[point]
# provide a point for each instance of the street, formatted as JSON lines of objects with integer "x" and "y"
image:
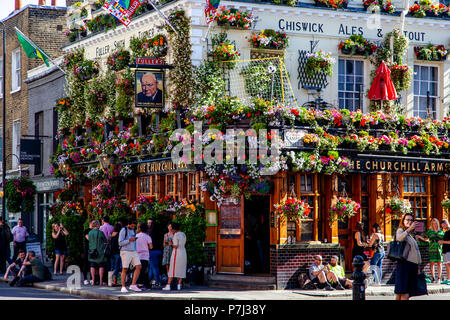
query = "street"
{"x": 27, "y": 293}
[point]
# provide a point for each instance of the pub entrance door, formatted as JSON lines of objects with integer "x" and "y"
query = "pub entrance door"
{"x": 230, "y": 244}
{"x": 257, "y": 235}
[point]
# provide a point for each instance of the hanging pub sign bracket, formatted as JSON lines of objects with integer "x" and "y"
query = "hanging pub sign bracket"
{"x": 150, "y": 82}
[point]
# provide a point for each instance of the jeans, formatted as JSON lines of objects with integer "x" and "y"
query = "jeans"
{"x": 28, "y": 280}
{"x": 377, "y": 260}
{"x": 116, "y": 264}
{"x": 153, "y": 268}
{"x": 143, "y": 275}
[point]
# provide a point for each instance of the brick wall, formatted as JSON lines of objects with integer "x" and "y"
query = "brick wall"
{"x": 288, "y": 261}
{"x": 44, "y": 26}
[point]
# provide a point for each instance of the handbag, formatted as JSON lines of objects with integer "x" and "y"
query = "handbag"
{"x": 108, "y": 249}
{"x": 369, "y": 252}
{"x": 93, "y": 254}
{"x": 421, "y": 288}
{"x": 395, "y": 250}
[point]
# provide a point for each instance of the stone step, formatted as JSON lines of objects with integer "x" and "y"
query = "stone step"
{"x": 223, "y": 284}
{"x": 242, "y": 278}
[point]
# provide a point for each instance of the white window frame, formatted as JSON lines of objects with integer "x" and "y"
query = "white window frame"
{"x": 416, "y": 111}
{"x": 16, "y": 69}
{"x": 361, "y": 107}
{"x": 16, "y": 134}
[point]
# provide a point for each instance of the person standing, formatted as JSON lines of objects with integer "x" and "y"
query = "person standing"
{"x": 97, "y": 259}
{"x": 167, "y": 251}
{"x": 20, "y": 235}
{"x": 86, "y": 266}
{"x": 106, "y": 227}
{"x": 406, "y": 271}
{"x": 59, "y": 234}
{"x": 178, "y": 259}
{"x": 143, "y": 247}
{"x": 432, "y": 236}
{"x": 359, "y": 243}
{"x": 446, "y": 248}
{"x": 128, "y": 255}
{"x": 376, "y": 242}
{"x": 155, "y": 232}
{"x": 115, "y": 252}
{"x": 5, "y": 238}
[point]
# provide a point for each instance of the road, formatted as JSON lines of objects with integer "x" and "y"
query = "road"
{"x": 16, "y": 293}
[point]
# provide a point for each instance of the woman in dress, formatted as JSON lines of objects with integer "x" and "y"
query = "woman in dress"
{"x": 376, "y": 243}
{"x": 59, "y": 234}
{"x": 432, "y": 236}
{"x": 178, "y": 259}
{"x": 359, "y": 243}
{"x": 167, "y": 251}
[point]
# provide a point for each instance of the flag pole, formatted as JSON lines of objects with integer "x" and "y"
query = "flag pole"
{"x": 209, "y": 26}
{"x": 163, "y": 16}
{"x": 40, "y": 50}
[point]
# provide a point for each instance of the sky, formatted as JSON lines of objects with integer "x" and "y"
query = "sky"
{"x": 7, "y": 6}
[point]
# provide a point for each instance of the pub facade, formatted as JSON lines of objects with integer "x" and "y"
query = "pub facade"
{"x": 327, "y": 154}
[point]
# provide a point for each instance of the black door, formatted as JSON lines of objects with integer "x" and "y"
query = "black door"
{"x": 257, "y": 235}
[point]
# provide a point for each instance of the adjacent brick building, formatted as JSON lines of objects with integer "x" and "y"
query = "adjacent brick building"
{"x": 45, "y": 26}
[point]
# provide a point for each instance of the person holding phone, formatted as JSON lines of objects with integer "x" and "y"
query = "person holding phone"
{"x": 59, "y": 234}
{"x": 433, "y": 236}
{"x": 406, "y": 271}
{"x": 129, "y": 255}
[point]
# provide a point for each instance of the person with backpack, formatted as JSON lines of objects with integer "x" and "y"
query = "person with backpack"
{"x": 129, "y": 255}
{"x": 5, "y": 239}
{"x": 96, "y": 253}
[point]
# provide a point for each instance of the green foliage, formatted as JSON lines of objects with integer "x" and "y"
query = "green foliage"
{"x": 208, "y": 83}
{"x": 20, "y": 195}
{"x": 75, "y": 226}
{"x": 194, "y": 226}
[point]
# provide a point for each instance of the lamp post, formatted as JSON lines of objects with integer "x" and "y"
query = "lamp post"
{"x": 105, "y": 161}
{"x": 4, "y": 122}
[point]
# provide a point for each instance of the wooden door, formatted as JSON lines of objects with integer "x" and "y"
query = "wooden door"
{"x": 230, "y": 251}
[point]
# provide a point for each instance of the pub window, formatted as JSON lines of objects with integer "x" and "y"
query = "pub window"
{"x": 155, "y": 184}
{"x": 351, "y": 84}
{"x": 425, "y": 91}
{"x": 307, "y": 194}
{"x": 192, "y": 186}
{"x": 170, "y": 180}
{"x": 415, "y": 190}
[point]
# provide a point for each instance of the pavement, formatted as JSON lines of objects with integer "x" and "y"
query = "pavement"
{"x": 59, "y": 284}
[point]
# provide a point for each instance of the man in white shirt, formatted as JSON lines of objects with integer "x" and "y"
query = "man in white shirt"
{"x": 20, "y": 235}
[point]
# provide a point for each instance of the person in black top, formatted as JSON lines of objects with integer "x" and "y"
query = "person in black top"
{"x": 86, "y": 264}
{"x": 359, "y": 244}
{"x": 59, "y": 233}
{"x": 5, "y": 251}
{"x": 116, "y": 262}
{"x": 446, "y": 248}
{"x": 154, "y": 231}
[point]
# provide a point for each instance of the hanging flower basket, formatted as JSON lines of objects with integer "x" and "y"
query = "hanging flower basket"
{"x": 72, "y": 208}
{"x": 293, "y": 209}
{"x": 446, "y": 205}
{"x": 342, "y": 209}
{"x": 20, "y": 195}
{"x": 396, "y": 207}
{"x": 319, "y": 62}
{"x": 118, "y": 60}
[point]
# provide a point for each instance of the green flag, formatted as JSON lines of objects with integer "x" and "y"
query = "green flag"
{"x": 31, "y": 49}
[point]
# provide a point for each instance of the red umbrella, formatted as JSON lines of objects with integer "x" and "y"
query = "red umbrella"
{"x": 382, "y": 87}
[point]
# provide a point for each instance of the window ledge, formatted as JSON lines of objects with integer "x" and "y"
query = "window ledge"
{"x": 17, "y": 90}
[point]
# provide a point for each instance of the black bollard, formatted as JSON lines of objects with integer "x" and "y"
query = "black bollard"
{"x": 359, "y": 277}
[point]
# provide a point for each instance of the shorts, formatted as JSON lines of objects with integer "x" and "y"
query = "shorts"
{"x": 320, "y": 285}
{"x": 129, "y": 257}
{"x": 447, "y": 257}
{"x": 61, "y": 252}
{"x": 342, "y": 282}
{"x": 97, "y": 265}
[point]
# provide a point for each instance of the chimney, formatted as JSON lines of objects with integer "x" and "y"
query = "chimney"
{"x": 41, "y": 2}
{"x": 18, "y": 4}
{"x": 53, "y": 3}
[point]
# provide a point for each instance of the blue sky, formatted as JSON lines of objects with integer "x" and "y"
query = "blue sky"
{"x": 7, "y": 6}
